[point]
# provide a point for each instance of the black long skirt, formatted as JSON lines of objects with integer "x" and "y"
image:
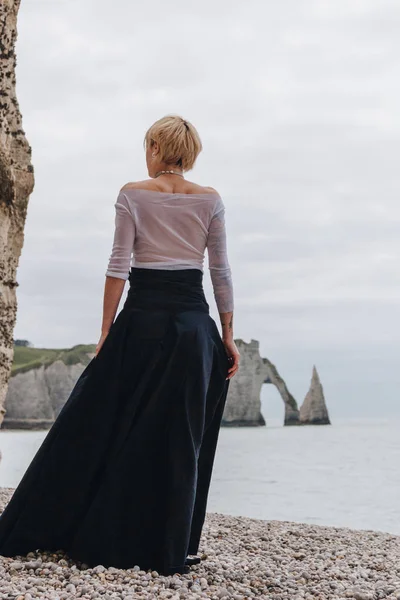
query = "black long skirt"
{"x": 123, "y": 475}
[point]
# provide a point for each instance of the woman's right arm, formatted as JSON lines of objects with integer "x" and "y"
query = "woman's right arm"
{"x": 221, "y": 278}
{"x": 118, "y": 265}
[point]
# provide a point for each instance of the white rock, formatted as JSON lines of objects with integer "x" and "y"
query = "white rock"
{"x": 313, "y": 410}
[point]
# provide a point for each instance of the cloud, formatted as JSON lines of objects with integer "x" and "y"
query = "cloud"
{"x": 297, "y": 107}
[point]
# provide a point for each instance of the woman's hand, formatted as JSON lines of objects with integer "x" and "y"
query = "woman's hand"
{"x": 234, "y": 356}
{"x": 101, "y": 342}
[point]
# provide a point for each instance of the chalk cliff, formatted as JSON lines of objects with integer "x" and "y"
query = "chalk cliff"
{"x": 16, "y": 184}
{"x": 313, "y": 411}
{"x": 38, "y": 389}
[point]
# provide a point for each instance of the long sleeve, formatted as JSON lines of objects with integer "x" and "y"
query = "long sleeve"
{"x": 218, "y": 263}
{"x": 124, "y": 237}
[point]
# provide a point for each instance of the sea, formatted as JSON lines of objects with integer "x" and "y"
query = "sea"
{"x": 346, "y": 474}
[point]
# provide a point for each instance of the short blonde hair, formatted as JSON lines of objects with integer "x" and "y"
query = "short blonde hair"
{"x": 178, "y": 139}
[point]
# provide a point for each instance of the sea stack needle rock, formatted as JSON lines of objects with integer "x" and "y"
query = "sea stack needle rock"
{"x": 16, "y": 185}
{"x": 243, "y": 406}
{"x": 313, "y": 411}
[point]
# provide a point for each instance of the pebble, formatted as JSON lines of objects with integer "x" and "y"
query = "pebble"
{"x": 243, "y": 559}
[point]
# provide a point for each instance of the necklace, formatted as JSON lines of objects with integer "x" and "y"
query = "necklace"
{"x": 164, "y": 172}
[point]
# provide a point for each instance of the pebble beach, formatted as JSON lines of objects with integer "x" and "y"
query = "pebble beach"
{"x": 242, "y": 558}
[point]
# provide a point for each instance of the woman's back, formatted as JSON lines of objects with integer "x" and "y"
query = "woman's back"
{"x": 170, "y": 228}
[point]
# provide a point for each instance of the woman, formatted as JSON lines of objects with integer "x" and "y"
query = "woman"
{"x": 122, "y": 477}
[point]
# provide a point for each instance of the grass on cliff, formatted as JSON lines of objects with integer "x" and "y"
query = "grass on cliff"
{"x": 26, "y": 358}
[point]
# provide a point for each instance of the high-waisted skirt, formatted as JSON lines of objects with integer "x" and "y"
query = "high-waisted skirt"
{"x": 122, "y": 477}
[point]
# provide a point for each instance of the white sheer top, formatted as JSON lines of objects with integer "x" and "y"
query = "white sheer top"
{"x": 165, "y": 230}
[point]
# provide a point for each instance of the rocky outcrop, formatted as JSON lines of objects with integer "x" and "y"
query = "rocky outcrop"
{"x": 291, "y": 409}
{"x": 37, "y": 392}
{"x": 243, "y": 405}
{"x": 16, "y": 184}
{"x": 313, "y": 411}
{"x": 43, "y": 380}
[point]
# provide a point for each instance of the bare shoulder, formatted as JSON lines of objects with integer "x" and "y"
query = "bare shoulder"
{"x": 211, "y": 189}
{"x": 195, "y": 188}
{"x": 146, "y": 184}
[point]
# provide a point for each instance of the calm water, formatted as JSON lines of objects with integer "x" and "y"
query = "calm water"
{"x": 346, "y": 474}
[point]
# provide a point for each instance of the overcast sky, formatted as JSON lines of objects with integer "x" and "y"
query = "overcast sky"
{"x": 297, "y": 104}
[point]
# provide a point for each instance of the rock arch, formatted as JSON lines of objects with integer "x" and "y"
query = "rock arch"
{"x": 243, "y": 406}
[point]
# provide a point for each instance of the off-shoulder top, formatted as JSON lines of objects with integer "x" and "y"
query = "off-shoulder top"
{"x": 163, "y": 230}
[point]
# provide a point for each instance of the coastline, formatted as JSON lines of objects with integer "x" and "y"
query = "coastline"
{"x": 243, "y": 558}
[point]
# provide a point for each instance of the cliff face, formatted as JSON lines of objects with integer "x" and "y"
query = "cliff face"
{"x": 313, "y": 411}
{"x": 36, "y": 396}
{"x": 16, "y": 184}
{"x": 243, "y": 406}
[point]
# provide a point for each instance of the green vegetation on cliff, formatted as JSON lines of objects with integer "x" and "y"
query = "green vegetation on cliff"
{"x": 26, "y": 358}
